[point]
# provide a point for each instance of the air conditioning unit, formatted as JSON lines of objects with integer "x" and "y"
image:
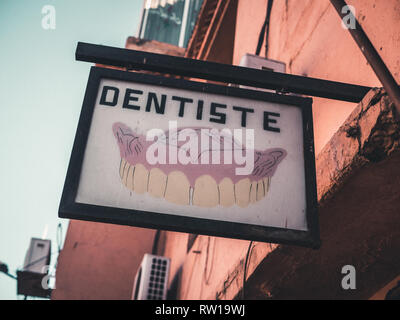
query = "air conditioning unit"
{"x": 151, "y": 280}
{"x": 257, "y": 62}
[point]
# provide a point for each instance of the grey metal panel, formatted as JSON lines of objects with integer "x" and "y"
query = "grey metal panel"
{"x": 38, "y": 256}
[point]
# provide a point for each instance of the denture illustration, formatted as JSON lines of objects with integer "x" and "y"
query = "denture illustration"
{"x": 198, "y": 184}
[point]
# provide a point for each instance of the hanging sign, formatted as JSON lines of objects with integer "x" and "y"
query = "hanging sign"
{"x": 179, "y": 155}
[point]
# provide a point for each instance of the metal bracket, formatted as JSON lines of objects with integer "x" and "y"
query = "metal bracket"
{"x": 132, "y": 59}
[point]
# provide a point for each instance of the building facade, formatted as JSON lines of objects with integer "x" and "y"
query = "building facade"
{"x": 309, "y": 38}
{"x": 357, "y": 161}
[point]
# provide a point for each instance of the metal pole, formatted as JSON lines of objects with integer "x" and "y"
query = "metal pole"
{"x": 184, "y": 24}
{"x": 372, "y": 56}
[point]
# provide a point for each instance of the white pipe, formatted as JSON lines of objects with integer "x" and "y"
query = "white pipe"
{"x": 185, "y": 18}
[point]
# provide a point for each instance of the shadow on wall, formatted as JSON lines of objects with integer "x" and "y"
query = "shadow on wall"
{"x": 174, "y": 286}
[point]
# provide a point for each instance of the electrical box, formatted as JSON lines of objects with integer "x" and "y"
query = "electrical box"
{"x": 32, "y": 279}
{"x": 32, "y": 284}
{"x": 257, "y": 62}
{"x": 152, "y": 278}
{"x": 38, "y": 256}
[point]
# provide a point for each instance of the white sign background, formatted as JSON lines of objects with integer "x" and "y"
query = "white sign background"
{"x": 285, "y": 204}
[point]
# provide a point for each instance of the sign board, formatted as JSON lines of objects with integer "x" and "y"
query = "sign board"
{"x": 179, "y": 155}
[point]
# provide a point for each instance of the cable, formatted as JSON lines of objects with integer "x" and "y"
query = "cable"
{"x": 245, "y": 265}
{"x": 10, "y": 275}
{"x": 269, "y": 9}
{"x": 206, "y": 278}
{"x": 264, "y": 30}
{"x": 155, "y": 242}
{"x": 261, "y": 38}
{"x": 4, "y": 269}
{"x": 40, "y": 259}
{"x": 59, "y": 240}
{"x": 59, "y": 236}
{"x": 185, "y": 292}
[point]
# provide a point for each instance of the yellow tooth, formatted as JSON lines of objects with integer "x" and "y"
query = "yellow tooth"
{"x": 140, "y": 178}
{"x": 157, "y": 183}
{"x": 205, "y": 193}
{"x": 253, "y": 192}
{"x": 122, "y": 168}
{"x": 177, "y": 190}
{"x": 242, "y": 192}
{"x": 129, "y": 177}
{"x": 260, "y": 190}
{"x": 267, "y": 182}
{"x": 125, "y": 173}
{"x": 226, "y": 193}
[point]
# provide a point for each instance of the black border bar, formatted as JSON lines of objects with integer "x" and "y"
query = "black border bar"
{"x": 282, "y": 82}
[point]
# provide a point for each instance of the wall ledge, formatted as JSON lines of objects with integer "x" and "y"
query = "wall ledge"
{"x": 370, "y": 134}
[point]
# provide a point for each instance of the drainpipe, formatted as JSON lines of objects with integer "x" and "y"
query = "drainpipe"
{"x": 372, "y": 56}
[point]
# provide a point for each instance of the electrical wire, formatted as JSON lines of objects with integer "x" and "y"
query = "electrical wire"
{"x": 207, "y": 273}
{"x": 264, "y": 30}
{"x": 59, "y": 242}
{"x": 155, "y": 242}
{"x": 200, "y": 247}
{"x": 10, "y": 275}
{"x": 38, "y": 260}
{"x": 248, "y": 255}
{"x": 59, "y": 236}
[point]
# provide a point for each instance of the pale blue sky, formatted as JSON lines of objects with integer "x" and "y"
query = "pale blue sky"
{"x": 42, "y": 88}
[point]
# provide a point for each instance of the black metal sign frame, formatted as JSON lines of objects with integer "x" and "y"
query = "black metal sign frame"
{"x": 71, "y": 209}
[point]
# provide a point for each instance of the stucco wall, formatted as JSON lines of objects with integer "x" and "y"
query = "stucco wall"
{"x": 307, "y": 36}
{"x": 201, "y": 272}
{"x": 99, "y": 261}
